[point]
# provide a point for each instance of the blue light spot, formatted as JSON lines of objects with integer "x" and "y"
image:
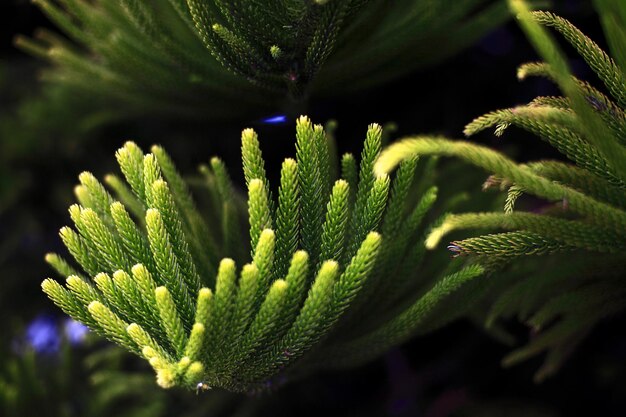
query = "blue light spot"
{"x": 42, "y": 335}
{"x": 75, "y": 332}
{"x": 275, "y": 120}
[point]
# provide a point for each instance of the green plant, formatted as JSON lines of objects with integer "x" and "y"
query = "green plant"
{"x": 215, "y": 59}
{"x": 565, "y": 299}
{"x": 68, "y": 381}
{"x": 97, "y": 380}
{"x": 323, "y": 288}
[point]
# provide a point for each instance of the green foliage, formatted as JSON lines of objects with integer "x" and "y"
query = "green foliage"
{"x": 215, "y": 59}
{"x": 72, "y": 385}
{"x": 330, "y": 280}
{"x": 96, "y": 380}
{"x": 32, "y": 121}
{"x": 587, "y": 199}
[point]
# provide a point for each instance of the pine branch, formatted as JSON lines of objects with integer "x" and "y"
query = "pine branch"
{"x": 317, "y": 257}
{"x": 589, "y": 217}
{"x": 217, "y": 59}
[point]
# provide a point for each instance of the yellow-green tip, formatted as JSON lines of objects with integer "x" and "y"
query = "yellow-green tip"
{"x": 300, "y": 256}
{"x": 205, "y": 292}
{"x": 101, "y": 278}
{"x": 166, "y": 378}
{"x": 48, "y": 285}
{"x": 138, "y": 269}
{"x": 195, "y": 374}
{"x": 227, "y": 263}
{"x": 373, "y": 237}
{"x": 95, "y": 306}
{"x": 435, "y": 236}
{"x": 248, "y": 134}
{"x": 255, "y": 185}
{"x": 249, "y": 269}
{"x": 391, "y": 157}
{"x": 329, "y": 267}
{"x": 161, "y": 292}
{"x": 280, "y": 285}
{"x": 148, "y": 352}
{"x": 72, "y": 280}
{"x": 266, "y": 234}
{"x": 303, "y": 120}
{"x": 133, "y": 327}
{"x": 152, "y": 212}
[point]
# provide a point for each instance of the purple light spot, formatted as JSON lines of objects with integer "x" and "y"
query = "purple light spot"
{"x": 399, "y": 406}
{"x": 275, "y": 120}
{"x": 43, "y": 336}
{"x": 74, "y": 331}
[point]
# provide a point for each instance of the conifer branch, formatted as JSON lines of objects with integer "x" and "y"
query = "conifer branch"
{"x": 587, "y": 212}
{"x": 214, "y": 58}
{"x": 318, "y": 253}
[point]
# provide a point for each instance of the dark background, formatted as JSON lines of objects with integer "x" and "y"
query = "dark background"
{"x": 455, "y": 371}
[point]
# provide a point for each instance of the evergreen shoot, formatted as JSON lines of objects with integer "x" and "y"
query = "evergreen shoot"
{"x": 586, "y": 199}
{"x": 253, "y": 291}
{"x": 212, "y": 58}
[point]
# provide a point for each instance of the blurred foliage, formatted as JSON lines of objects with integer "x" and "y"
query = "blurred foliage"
{"x": 50, "y": 375}
{"x": 201, "y": 59}
{"x": 59, "y": 386}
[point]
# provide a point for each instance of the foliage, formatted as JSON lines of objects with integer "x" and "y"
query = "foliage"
{"x": 34, "y": 127}
{"x": 330, "y": 281}
{"x": 53, "y": 375}
{"x": 52, "y": 382}
{"x": 40, "y": 129}
{"x": 218, "y": 59}
{"x": 563, "y": 300}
